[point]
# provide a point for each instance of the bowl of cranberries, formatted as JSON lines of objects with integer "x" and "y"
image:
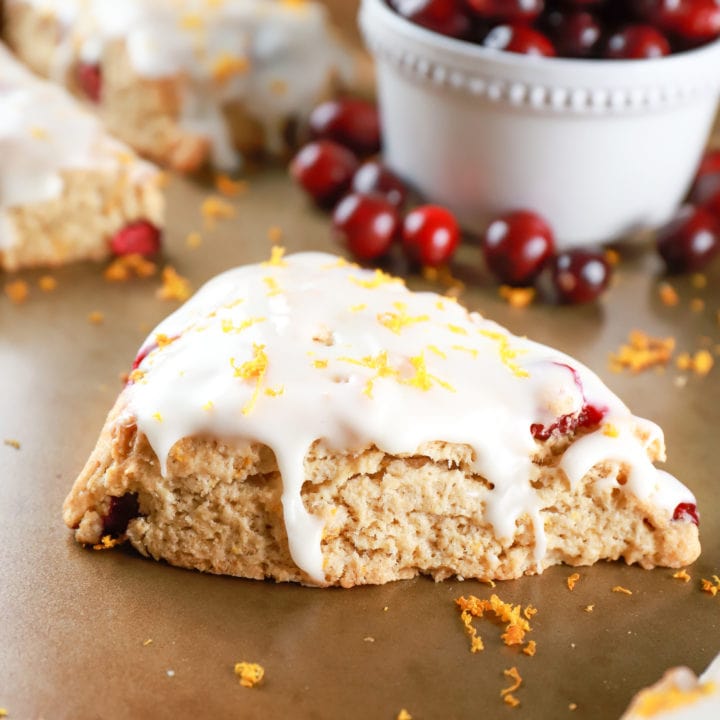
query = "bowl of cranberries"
{"x": 593, "y": 112}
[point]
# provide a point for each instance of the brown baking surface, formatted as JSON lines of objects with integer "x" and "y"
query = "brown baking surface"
{"x": 73, "y": 622}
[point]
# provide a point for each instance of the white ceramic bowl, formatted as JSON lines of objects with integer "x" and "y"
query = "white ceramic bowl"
{"x": 600, "y": 148}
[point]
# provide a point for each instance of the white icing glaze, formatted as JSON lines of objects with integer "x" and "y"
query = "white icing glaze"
{"x": 355, "y": 359}
{"x": 44, "y": 132}
{"x": 281, "y": 50}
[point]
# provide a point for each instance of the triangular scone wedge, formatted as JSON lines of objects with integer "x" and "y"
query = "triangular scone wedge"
{"x": 307, "y": 420}
{"x": 67, "y": 188}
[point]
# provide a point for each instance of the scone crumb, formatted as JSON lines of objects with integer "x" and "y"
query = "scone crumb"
{"x": 47, "y": 283}
{"x": 147, "y": 642}
{"x": 589, "y": 608}
{"x": 572, "y": 581}
{"x": 17, "y": 291}
{"x": 404, "y": 715}
{"x": 572, "y": 706}
{"x": 174, "y": 286}
{"x": 249, "y": 674}
{"x": 711, "y": 587}
{"x": 621, "y": 589}
{"x": 96, "y": 318}
{"x": 642, "y": 352}
{"x": 531, "y": 648}
{"x": 668, "y": 295}
{"x": 107, "y": 542}
{"x": 369, "y": 639}
{"x": 228, "y": 187}
{"x": 682, "y": 575}
{"x": 517, "y": 297}
{"x": 12, "y": 443}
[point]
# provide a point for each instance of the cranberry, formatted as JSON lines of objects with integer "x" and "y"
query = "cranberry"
{"x": 366, "y": 224}
{"x": 580, "y": 276}
{"x": 687, "y": 512}
{"x": 690, "y": 240}
{"x": 373, "y": 178}
{"x": 430, "y": 235}
{"x": 144, "y": 352}
{"x": 712, "y": 204}
{"x": 516, "y": 246}
{"x": 637, "y": 42}
{"x": 324, "y": 169}
{"x": 447, "y": 17}
{"x": 350, "y": 122}
{"x": 89, "y": 78}
{"x": 588, "y": 417}
{"x": 691, "y": 19}
{"x": 137, "y": 238}
{"x": 710, "y": 164}
{"x": 575, "y": 34}
{"x": 507, "y": 10}
{"x": 122, "y": 510}
{"x": 707, "y": 180}
{"x": 519, "y": 39}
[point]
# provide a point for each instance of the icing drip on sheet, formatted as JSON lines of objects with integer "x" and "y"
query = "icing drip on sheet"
{"x": 44, "y": 132}
{"x": 273, "y": 56}
{"x": 309, "y": 347}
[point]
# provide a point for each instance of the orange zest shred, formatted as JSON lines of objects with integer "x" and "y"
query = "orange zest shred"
{"x": 17, "y": 291}
{"x": 12, "y": 443}
{"x": 507, "y": 354}
{"x": 107, "y": 542}
{"x": 215, "y": 208}
{"x": 572, "y": 581}
{"x": 701, "y": 363}
{"x": 228, "y": 187}
{"x": 249, "y": 674}
{"x": 642, "y": 352}
{"x": 589, "y": 608}
{"x": 121, "y": 269}
{"x": 404, "y": 715}
{"x": 228, "y": 326}
{"x": 517, "y": 297}
{"x": 531, "y": 648}
{"x": 193, "y": 240}
{"x": 378, "y": 279}
{"x": 507, "y": 693}
{"x": 668, "y": 295}
{"x": 174, "y": 286}
{"x": 711, "y": 587}
{"x": 621, "y": 589}
{"x": 396, "y": 321}
{"x": 47, "y": 283}
{"x": 253, "y": 369}
{"x": 682, "y": 575}
{"x": 277, "y": 253}
{"x": 697, "y": 305}
{"x": 96, "y": 318}
{"x": 275, "y": 234}
{"x": 612, "y": 256}
{"x": 227, "y": 65}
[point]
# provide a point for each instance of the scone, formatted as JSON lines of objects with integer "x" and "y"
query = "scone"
{"x": 307, "y": 420}
{"x": 183, "y": 81}
{"x": 680, "y": 695}
{"x": 66, "y": 187}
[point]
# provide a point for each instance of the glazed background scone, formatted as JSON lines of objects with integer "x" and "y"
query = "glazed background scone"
{"x": 182, "y": 81}
{"x": 66, "y": 186}
{"x": 680, "y": 695}
{"x": 307, "y": 420}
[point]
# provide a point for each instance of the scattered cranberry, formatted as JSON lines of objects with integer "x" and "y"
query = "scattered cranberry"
{"x": 689, "y": 241}
{"x": 122, "y": 510}
{"x": 691, "y": 19}
{"x": 373, "y": 178}
{"x": 712, "y": 204}
{"x": 637, "y": 42}
{"x": 516, "y": 247}
{"x": 366, "y": 224}
{"x": 687, "y": 512}
{"x": 710, "y": 164}
{"x": 447, "y": 17}
{"x": 580, "y": 276}
{"x": 519, "y": 39}
{"x": 574, "y": 34}
{"x": 350, "y": 122}
{"x": 507, "y": 10}
{"x": 137, "y": 238}
{"x": 588, "y": 417}
{"x": 89, "y": 77}
{"x": 707, "y": 180}
{"x": 430, "y": 235}
{"x": 324, "y": 169}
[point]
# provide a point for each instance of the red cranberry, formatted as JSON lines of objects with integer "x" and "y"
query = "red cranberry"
{"x": 137, "y": 238}
{"x": 144, "y": 352}
{"x": 519, "y": 39}
{"x": 89, "y": 78}
{"x": 324, "y": 169}
{"x": 373, "y": 178}
{"x": 696, "y": 20}
{"x": 690, "y": 240}
{"x": 707, "y": 180}
{"x": 350, "y": 122}
{"x": 507, "y": 10}
{"x": 637, "y": 42}
{"x": 516, "y": 247}
{"x": 575, "y": 34}
{"x": 687, "y": 512}
{"x": 430, "y": 235}
{"x": 366, "y": 224}
{"x": 712, "y": 204}
{"x": 121, "y": 511}
{"x": 710, "y": 164}
{"x": 447, "y": 17}
{"x": 580, "y": 276}
{"x": 588, "y": 417}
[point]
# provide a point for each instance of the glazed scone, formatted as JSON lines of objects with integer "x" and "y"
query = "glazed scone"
{"x": 680, "y": 695}
{"x": 66, "y": 186}
{"x": 307, "y": 420}
{"x": 184, "y": 81}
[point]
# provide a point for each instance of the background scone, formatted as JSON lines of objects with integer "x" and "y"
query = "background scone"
{"x": 182, "y": 81}
{"x": 66, "y": 186}
{"x": 307, "y": 420}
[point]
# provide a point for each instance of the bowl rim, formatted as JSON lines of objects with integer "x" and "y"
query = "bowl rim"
{"x": 468, "y": 50}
